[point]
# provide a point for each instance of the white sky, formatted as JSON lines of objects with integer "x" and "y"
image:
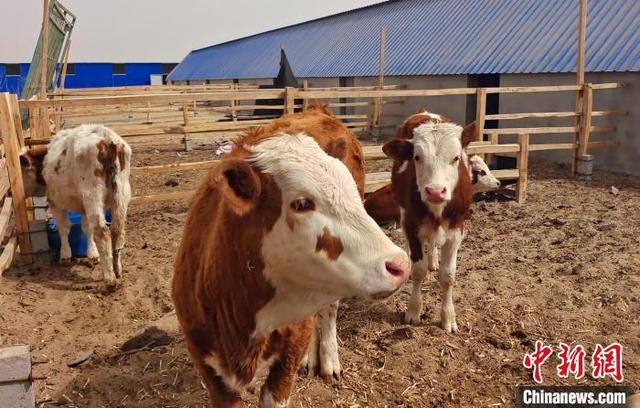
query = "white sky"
{"x": 154, "y": 30}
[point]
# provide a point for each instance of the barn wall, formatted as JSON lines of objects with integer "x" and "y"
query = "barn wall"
{"x": 624, "y": 157}
{"x": 451, "y": 106}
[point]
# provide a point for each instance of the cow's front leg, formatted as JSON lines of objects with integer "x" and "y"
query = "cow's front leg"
{"x": 418, "y": 272}
{"x": 433, "y": 255}
{"x": 414, "y": 308}
{"x": 64, "y": 227}
{"x": 447, "y": 277}
{"x": 322, "y": 352}
{"x": 277, "y": 387}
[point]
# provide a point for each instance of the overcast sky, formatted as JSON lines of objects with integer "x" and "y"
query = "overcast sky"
{"x": 154, "y": 30}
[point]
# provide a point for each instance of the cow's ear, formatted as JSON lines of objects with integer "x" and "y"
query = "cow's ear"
{"x": 337, "y": 148}
{"x": 398, "y": 149}
{"x": 25, "y": 163}
{"x": 240, "y": 185}
{"x": 468, "y": 134}
{"x": 26, "y": 159}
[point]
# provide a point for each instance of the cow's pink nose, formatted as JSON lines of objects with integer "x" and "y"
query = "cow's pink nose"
{"x": 435, "y": 193}
{"x": 399, "y": 267}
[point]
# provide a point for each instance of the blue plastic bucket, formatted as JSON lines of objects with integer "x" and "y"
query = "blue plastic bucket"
{"x": 77, "y": 239}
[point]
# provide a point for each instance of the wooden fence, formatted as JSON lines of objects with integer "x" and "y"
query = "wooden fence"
{"x": 187, "y": 102}
{"x": 14, "y": 223}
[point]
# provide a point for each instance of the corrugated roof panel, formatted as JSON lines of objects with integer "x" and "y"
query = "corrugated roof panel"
{"x": 431, "y": 37}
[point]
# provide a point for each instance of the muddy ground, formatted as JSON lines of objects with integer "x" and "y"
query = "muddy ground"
{"x": 565, "y": 266}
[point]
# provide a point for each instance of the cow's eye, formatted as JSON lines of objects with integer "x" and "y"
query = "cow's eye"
{"x": 416, "y": 158}
{"x": 455, "y": 159}
{"x": 483, "y": 173}
{"x": 303, "y": 204}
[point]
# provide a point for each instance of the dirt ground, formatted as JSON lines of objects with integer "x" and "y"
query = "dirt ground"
{"x": 565, "y": 266}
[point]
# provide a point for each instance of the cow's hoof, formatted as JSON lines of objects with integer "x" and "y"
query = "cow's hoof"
{"x": 109, "y": 287}
{"x": 65, "y": 261}
{"x": 412, "y": 318}
{"x": 90, "y": 262}
{"x": 330, "y": 368}
{"x": 450, "y": 326}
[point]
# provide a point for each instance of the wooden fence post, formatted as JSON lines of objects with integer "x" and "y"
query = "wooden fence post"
{"x": 15, "y": 112}
{"x": 305, "y": 101}
{"x": 580, "y": 62}
{"x": 490, "y": 158}
{"x": 289, "y": 98}
{"x": 481, "y": 109}
{"x": 523, "y": 167}
{"x": 233, "y": 103}
{"x": 585, "y": 123}
{"x": 11, "y": 143}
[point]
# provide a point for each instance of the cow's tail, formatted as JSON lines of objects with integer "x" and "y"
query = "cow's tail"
{"x": 114, "y": 156}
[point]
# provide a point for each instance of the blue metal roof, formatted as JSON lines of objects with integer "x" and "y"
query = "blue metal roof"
{"x": 432, "y": 37}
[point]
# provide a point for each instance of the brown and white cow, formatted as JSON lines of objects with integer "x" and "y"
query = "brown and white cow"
{"x": 276, "y": 232}
{"x": 431, "y": 184}
{"x": 85, "y": 169}
{"x": 382, "y": 206}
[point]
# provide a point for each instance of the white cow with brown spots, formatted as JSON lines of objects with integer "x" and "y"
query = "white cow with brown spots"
{"x": 86, "y": 170}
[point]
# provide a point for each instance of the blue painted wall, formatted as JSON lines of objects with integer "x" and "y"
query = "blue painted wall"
{"x": 88, "y": 75}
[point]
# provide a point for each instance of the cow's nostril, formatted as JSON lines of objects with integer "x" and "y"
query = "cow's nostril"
{"x": 444, "y": 190}
{"x": 394, "y": 269}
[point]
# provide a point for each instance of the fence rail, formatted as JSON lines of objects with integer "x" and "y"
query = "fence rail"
{"x": 187, "y": 110}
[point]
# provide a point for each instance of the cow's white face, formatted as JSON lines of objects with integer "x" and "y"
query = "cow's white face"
{"x": 437, "y": 151}
{"x": 481, "y": 177}
{"x": 324, "y": 240}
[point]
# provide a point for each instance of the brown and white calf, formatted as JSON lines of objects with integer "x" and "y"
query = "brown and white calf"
{"x": 85, "y": 169}
{"x": 430, "y": 182}
{"x": 382, "y": 206}
{"x": 276, "y": 232}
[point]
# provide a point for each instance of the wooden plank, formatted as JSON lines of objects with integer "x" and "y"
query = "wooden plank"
{"x": 305, "y": 101}
{"x": 44, "y": 50}
{"x": 550, "y": 130}
{"x": 551, "y": 146}
{"x": 12, "y": 146}
{"x": 552, "y": 88}
{"x": 5, "y": 215}
{"x": 494, "y": 139}
{"x": 374, "y": 152}
{"x": 343, "y": 117}
{"x": 534, "y": 115}
{"x": 493, "y": 148}
{"x": 8, "y": 253}
{"x": 568, "y": 146}
{"x": 506, "y": 174}
{"x": 289, "y": 99}
{"x": 164, "y": 168}
{"x": 156, "y": 198}
{"x": 523, "y": 167}
{"x": 374, "y": 181}
{"x": 4, "y": 182}
{"x": 15, "y": 112}
{"x": 279, "y": 93}
{"x": 481, "y": 110}
{"x": 158, "y": 98}
{"x": 585, "y": 128}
